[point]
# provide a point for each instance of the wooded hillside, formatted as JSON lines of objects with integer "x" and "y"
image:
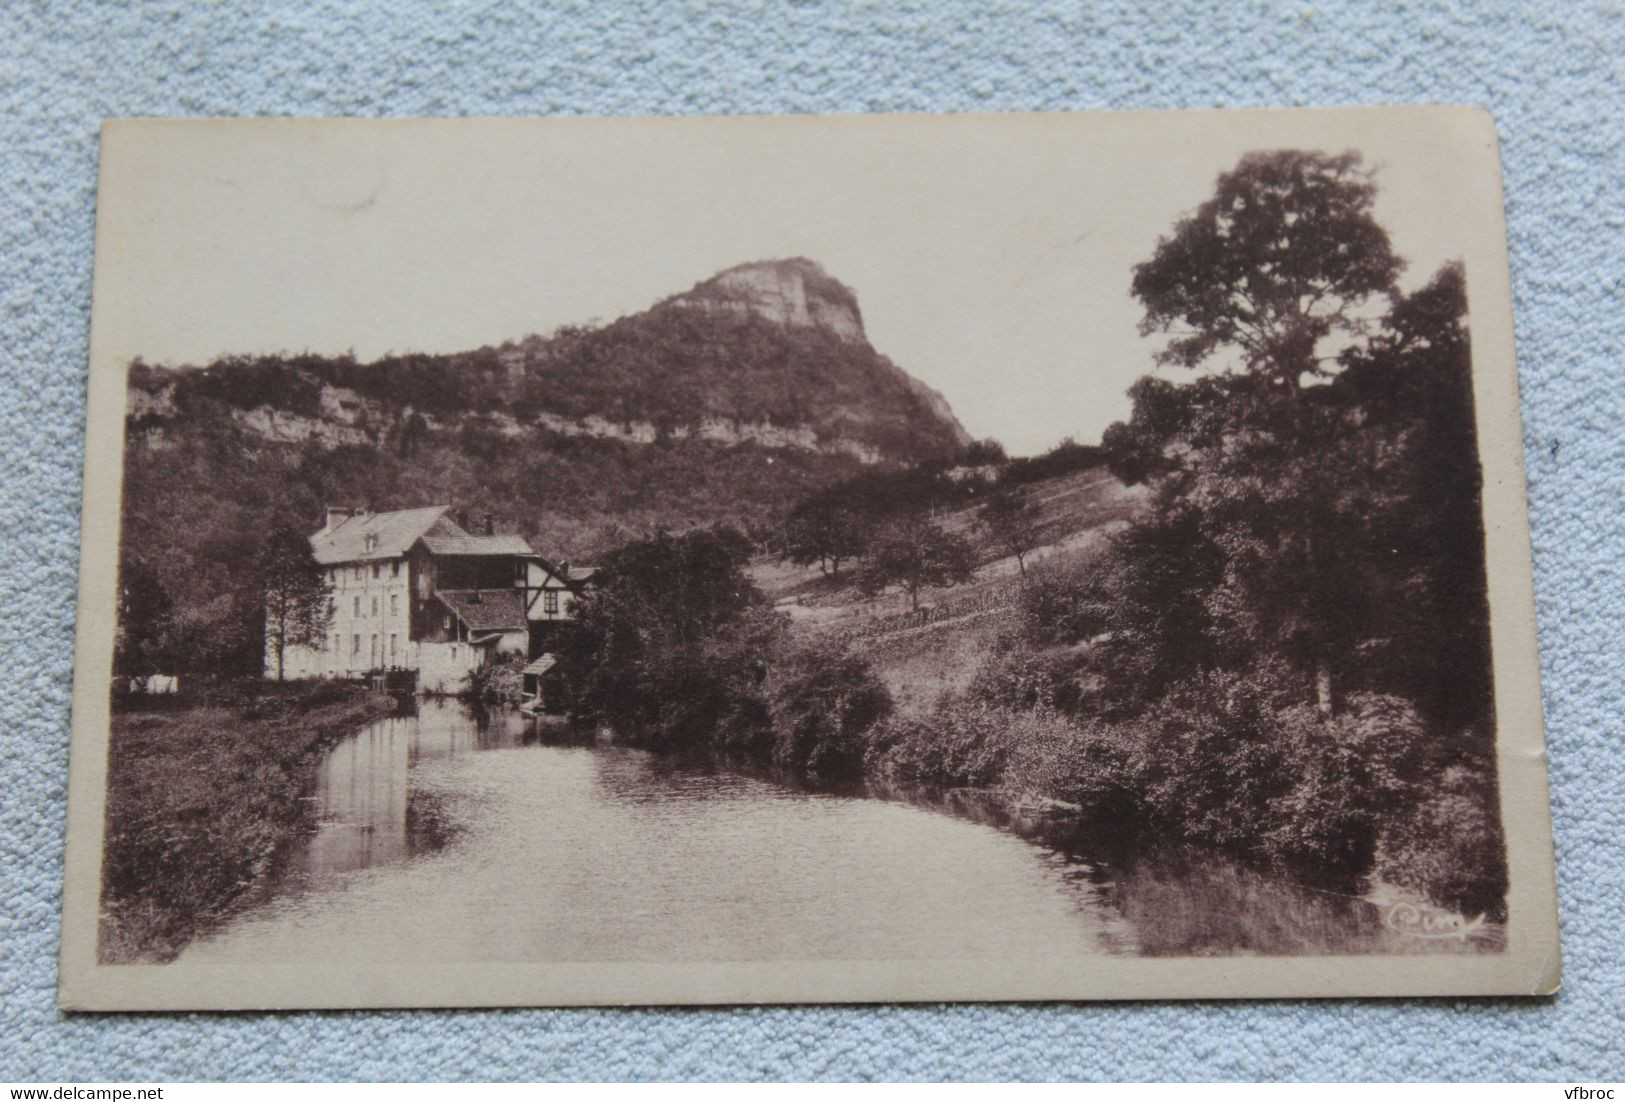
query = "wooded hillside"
{"x": 683, "y": 415}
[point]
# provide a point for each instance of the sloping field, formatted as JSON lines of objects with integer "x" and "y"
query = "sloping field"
{"x": 923, "y": 655}
{"x": 1077, "y": 511}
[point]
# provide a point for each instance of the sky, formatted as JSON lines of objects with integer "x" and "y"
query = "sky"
{"x": 990, "y": 254}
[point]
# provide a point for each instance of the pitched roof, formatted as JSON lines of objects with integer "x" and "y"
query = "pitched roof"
{"x": 582, "y": 573}
{"x": 348, "y": 540}
{"x": 461, "y": 543}
{"x": 541, "y": 665}
{"x": 487, "y": 609}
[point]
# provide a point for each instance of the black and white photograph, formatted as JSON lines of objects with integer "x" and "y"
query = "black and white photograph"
{"x": 792, "y": 559}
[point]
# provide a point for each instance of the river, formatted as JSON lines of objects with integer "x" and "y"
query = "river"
{"x": 450, "y": 835}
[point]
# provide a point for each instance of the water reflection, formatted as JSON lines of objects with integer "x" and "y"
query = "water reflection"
{"x": 368, "y": 811}
{"x": 1184, "y": 901}
{"x": 537, "y": 850}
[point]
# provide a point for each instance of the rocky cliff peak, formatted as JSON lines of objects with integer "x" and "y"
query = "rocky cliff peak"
{"x": 795, "y": 291}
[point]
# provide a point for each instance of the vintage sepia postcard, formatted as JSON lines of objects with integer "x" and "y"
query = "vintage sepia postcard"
{"x": 804, "y": 559}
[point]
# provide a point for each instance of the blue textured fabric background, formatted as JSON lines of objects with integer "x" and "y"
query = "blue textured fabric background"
{"x": 1553, "y": 80}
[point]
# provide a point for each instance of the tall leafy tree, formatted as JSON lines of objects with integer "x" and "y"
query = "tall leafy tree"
{"x": 671, "y": 637}
{"x": 298, "y": 600}
{"x": 1285, "y": 255}
{"x": 1272, "y": 282}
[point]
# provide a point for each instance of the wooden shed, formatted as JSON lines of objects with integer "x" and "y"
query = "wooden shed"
{"x": 535, "y": 685}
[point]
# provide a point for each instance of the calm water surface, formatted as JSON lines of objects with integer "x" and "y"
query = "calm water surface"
{"x": 451, "y": 836}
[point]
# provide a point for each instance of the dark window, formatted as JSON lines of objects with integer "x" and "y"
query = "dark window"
{"x": 550, "y": 601}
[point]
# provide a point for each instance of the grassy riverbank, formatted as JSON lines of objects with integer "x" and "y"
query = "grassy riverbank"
{"x": 201, "y": 792}
{"x": 1038, "y": 688}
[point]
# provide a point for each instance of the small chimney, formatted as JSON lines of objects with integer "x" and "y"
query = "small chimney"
{"x": 490, "y": 525}
{"x": 462, "y": 519}
{"x": 564, "y": 570}
{"x": 336, "y": 515}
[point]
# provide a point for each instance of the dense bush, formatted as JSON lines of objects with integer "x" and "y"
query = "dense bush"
{"x": 500, "y": 681}
{"x": 243, "y": 382}
{"x": 824, "y": 701}
{"x": 1017, "y": 674}
{"x": 1064, "y": 458}
{"x": 1238, "y": 763}
{"x": 1448, "y": 843}
{"x": 1230, "y": 764}
{"x": 1065, "y": 599}
{"x": 957, "y": 743}
{"x": 678, "y": 650}
{"x": 665, "y": 644}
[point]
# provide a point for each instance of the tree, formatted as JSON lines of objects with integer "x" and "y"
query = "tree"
{"x": 1280, "y": 265}
{"x": 297, "y": 597}
{"x": 828, "y": 531}
{"x": 914, "y": 553}
{"x": 1283, "y": 256}
{"x": 1013, "y": 522}
{"x": 144, "y": 610}
{"x": 1413, "y": 386}
{"x": 982, "y": 453}
{"x": 1063, "y": 459}
{"x": 823, "y": 703}
{"x": 677, "y": 588}
{"x": 666, "y": 643}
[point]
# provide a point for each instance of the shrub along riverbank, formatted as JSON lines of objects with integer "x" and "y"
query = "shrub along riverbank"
{"x": 678, "y": 652}
{"x": 201, "y": 793}
{"x": 1285, "y": 655}
{"x": 1241, "y": 764}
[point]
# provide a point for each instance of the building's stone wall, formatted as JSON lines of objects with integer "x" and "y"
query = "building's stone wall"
{"x": 444, "y": 667}
{"x": 370, "y": 627}
{"x": 372, "y": 618}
